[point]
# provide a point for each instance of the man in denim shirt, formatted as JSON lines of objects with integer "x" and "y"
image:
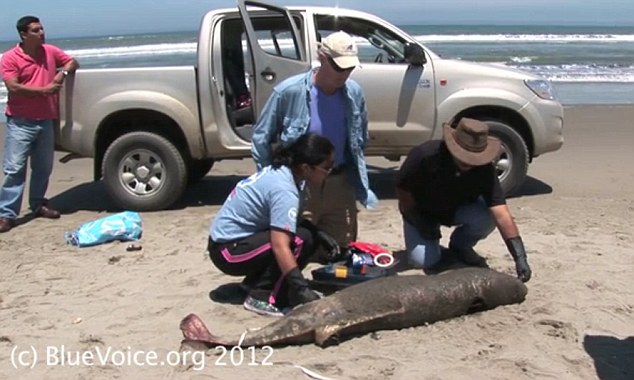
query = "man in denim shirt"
{"x": 324, "y": 101}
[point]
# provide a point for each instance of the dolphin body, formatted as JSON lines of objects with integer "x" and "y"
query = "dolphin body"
{"x": 387, "y": 303}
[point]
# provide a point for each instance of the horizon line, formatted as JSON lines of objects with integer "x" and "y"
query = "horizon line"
{"x": 400, "y": 25}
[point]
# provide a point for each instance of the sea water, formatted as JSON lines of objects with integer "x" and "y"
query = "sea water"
{"x": 586, "y": 64}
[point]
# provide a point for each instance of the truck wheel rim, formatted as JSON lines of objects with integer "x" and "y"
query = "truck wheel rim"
{"x": 142, "y": 172}
{"x": 504, "y": 163}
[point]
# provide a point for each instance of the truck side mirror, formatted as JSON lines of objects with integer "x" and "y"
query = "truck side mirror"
{"x": 414, "y": 54}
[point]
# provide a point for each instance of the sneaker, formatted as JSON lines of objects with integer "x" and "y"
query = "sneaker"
{"x": 261, "y": 307}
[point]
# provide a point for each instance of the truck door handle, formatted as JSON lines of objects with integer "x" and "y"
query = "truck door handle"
{"x": 268, "y": 74}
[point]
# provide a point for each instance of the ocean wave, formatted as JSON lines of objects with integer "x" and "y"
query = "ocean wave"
{"x": 165, "y": 49}
{"x": 588, "y": 78}
{"x": 133, "y": 51}
{"x": 190, "y": 47}
{"x": 596, "y": 38}
{"x": 138, "y": 50}
{"x": 581, "y": 73}
{"x": 522, "y": 59}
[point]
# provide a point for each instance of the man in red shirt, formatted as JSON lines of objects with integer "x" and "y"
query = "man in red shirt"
{"x": 33, "y": 73}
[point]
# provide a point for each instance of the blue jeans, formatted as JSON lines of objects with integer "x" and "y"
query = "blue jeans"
{"x": 474, "y": 221}
{"x": 26, "y": 138}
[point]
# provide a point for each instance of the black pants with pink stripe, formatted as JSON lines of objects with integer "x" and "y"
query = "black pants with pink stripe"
{"x": 253, "y": 258}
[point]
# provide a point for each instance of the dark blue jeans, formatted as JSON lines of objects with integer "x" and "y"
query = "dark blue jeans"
{"x": 25, "y": 138}
{"x": 475, "y": 222}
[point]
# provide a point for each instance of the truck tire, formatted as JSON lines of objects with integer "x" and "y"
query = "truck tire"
{"x": 197, "y": 169}
{"x": 143, "y": 171}
{"x": 512, "y": 165}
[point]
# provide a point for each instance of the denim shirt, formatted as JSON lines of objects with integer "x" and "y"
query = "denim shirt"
{"x": 286, "y": 117}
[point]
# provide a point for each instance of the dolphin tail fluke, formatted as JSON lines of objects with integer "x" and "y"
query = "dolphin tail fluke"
{"x": 196, "y": 333}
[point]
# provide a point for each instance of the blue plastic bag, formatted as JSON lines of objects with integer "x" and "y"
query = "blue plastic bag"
{"x": 123, "y": 226}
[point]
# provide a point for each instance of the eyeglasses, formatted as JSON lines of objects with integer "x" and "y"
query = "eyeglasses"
{"x": 323, "y": 170}
{"x": 337, "y": 68}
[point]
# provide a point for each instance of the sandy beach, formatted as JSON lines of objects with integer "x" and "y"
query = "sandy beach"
{"x": 574, "y": 213}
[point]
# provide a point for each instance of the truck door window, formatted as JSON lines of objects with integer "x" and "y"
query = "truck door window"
{"x": 275, "y": 36}
{"x": 375, "y": 43}
{"x": 260, "y": 46}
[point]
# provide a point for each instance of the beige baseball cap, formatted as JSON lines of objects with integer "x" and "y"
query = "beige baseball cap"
{"x": 341, "y": 48}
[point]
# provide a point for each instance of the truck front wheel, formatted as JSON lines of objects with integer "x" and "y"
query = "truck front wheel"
{"x": 512, "y": 165}
{"x": 143, "y": 171}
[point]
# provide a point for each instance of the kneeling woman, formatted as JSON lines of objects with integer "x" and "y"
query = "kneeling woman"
{"x": 256, "y": 232}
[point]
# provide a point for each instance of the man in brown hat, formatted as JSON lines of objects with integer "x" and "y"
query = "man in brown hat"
{"x": 452, "y": 182}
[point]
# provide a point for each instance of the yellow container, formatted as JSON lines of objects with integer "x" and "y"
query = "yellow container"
{"x": 341, "y": 272}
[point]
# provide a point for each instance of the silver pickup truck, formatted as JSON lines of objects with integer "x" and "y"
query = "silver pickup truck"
{"x": 151, "y": 131}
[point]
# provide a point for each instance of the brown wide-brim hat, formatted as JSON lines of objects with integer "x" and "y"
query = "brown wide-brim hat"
{"x": 470, "y": 142}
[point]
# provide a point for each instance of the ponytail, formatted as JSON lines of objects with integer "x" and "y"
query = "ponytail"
{"x": 282, "y": 156}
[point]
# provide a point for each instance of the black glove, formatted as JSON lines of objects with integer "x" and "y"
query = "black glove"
{"x": 330, "y": 245}
{"x": 516, "y": 248}
{"x": 298, "y": 290}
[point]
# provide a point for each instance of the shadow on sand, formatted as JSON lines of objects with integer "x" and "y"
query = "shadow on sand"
{"x": 383, "y": 183}
{"x": 213, "y": 190}
{"x": 230, "y": 293}
{"x": 92, "y": 196}
{"x": 613, "y": 357}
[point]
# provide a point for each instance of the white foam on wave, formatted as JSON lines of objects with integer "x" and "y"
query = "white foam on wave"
{"x": 589, "y": 78}
{"x": 522, "y": 59}
{"x": 138, "y": 50}
{"x": 582, "y": 73}
{"x": 525, "y": 38}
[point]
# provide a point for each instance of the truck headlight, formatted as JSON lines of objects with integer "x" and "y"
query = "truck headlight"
{"x": 541, "y": 88}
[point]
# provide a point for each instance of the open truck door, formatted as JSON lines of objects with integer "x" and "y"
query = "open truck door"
{"x": 276, "y": 47}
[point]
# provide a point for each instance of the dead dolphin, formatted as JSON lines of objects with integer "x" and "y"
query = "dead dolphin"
{"x": 387, "y": 303}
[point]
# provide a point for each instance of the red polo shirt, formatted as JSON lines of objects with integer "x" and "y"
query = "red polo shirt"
{"x": 31, "y": 72}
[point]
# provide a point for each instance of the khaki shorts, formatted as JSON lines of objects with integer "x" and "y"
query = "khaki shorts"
{"x": 333, "y": 207}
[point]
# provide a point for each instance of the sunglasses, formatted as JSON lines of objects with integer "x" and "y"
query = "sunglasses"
{"x": 337, "y": 68}
{"x": 323, "y": 170}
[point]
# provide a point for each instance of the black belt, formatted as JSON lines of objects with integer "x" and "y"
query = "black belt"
{"x": 338, "y": 169}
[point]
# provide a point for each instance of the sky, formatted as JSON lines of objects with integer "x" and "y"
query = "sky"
{"x": 73, "y": 18}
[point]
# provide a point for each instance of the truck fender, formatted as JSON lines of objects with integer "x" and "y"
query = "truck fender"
{"x": 153, "y": 101}
{"x": 476, "y": 97}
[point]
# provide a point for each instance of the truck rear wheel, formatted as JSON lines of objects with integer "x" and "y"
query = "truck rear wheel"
{"x": 143, "y": 171}
{"x": 512, "y": 165}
